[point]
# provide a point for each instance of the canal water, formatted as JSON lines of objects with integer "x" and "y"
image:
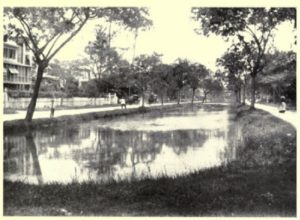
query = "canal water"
{"x": 123, "y": 148}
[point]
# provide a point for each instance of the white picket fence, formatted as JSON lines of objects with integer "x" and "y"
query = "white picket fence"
{"x": 42, "y": 103}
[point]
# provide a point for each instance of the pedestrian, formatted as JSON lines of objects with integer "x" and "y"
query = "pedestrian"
{"x": 282, "y": 106}
{"x": 52, "y": 108}
{"x": 123, "y": 103}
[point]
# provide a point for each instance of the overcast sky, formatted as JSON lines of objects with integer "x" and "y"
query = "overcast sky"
{"x": 172, "y": 35}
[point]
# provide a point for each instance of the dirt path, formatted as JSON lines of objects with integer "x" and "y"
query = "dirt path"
{"x": 288, "y": 116}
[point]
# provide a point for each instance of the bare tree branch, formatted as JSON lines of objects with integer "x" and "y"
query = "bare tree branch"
{"x": 69, "y": 38}
{"x": 53, "y": 44}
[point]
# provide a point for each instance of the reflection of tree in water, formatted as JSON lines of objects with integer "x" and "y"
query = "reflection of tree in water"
{"x": 15, "y": 154}
{"x": 36, "y": 164}
{"x": 116, "y": 149}
{"x": 106, "y": 150}
{"x": 234, "y": 139}
{"x": 69, "y": 135}
{"x": 181, "y": 140}
{"x": 21, "y": 156}
{"x": 115, "y": 146}
{"x": 145, "y": 147}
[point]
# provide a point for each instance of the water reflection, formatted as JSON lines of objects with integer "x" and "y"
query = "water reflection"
{"x": 21, "y": 160}
{"x": 113, "y": 150}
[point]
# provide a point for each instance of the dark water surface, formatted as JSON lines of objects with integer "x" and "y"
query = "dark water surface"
{"x": 131, "y": 147}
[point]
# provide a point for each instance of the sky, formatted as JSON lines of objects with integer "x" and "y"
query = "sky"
{"x": 171, "y": 35}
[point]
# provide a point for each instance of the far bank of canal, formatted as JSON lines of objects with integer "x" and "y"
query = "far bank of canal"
{"x": 259, "y": 180}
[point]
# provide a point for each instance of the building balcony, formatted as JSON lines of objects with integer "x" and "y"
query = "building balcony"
{"x": 15, "y": 62}
{"x": 17, "y": 80}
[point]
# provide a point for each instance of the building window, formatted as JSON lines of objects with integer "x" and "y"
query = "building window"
{"x": 5, "y": 53}
{"x": 10, "y": 53}
{"x": 27, "y": 60}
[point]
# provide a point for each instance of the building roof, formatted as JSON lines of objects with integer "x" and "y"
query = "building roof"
{"x": 47, "y": 76}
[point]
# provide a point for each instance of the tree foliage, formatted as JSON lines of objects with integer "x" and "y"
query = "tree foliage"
{"x": 105, "y": 59}
{"x": 279, "y": 75}
{"x": 161, "y": 84}
{"x": 143, "y": 71}
{"x": 251, "y": 28}
{"x": 234, "y": 70}
{"x": 211, "y": 85}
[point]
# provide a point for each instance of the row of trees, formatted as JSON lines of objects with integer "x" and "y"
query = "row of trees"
{"x": 277, "y": 77}
{"x": 251, "y": 31}
{"x": 149, "y": 75}
{"x": 111, "y": 73}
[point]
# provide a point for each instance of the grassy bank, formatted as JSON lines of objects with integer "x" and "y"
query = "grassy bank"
{"x": 260, "y": 182}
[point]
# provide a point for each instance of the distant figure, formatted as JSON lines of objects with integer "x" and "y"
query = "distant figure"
{"x": 282, "y": 107}
{"x": 52, "y": 109}
{"x": 123, "y": 103}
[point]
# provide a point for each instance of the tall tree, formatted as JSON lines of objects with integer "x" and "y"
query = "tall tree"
{"x": 104, "y": 57}
{"x": 143, "y": 70}
{"x": 234, "y": 71}
{"x": 210, "y": 86}
{"x": 47, "y": 30}
{"x": 251, "y": 27}
{"x": 195, "y": 76}
{"x": 180, "y": 73}
{"x": 134, "y": 20}
{"x": 161, "y": 76}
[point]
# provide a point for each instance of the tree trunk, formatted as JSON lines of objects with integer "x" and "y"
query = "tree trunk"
{"x": 32, "y": 148}
{"x": 178, "y": 97}
{"x": 253, "y": 88}
{"x": 162, "y": 99}
{"x": 244, "y": 93}
{"x": 193, "y": 95}
{"x": 32, "y": 104}
{"x": 109, "y": 32}
{"x": 136, "y": 31}
{"x": 236, "y": 92}
{"x": 204, "y": 98}
{"x": 143, "y": 99}
{"x": 274, "y": 94}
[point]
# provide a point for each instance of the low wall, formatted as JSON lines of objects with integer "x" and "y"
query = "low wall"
{"x": 22, "y": 103}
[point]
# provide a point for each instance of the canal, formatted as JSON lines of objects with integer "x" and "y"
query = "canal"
{"x": 123, "y": 148}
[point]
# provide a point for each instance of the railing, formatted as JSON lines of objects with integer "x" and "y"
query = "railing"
{"x": 28, "y": 93}
{"x": 17, "y": 80}
{"x": 45, "y": 103}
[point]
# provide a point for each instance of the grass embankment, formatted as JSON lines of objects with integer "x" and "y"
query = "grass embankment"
{"x": 261, "y": 182}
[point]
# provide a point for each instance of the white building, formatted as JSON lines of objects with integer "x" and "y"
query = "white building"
{"x": 17, "y": 66}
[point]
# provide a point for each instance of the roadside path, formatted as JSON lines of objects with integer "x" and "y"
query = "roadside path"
{"x": 288, "y": 116}
{"x": 62, "y": 112}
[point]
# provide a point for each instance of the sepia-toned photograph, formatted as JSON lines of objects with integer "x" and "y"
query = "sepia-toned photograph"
{"x": 147, "y": 111}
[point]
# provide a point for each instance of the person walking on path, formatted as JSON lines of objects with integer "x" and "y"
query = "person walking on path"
{"x": 52, "y": 108}
{"x": 123, "y": 103}
{"x": 282, "y": 107}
